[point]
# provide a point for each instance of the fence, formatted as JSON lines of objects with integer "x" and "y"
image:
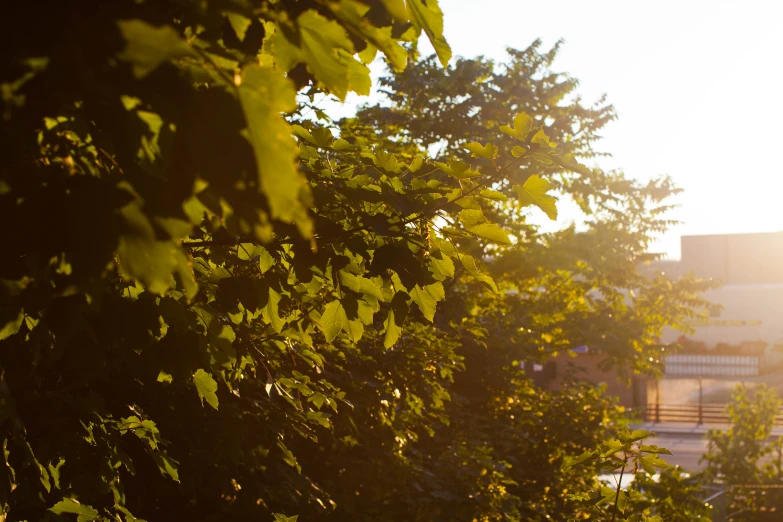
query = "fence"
{"x": 704, "y": 413}
{"x": 712, "y": 365}
{"x": 743, "y": 503}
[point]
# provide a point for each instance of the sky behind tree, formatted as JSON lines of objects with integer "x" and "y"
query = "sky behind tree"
{"x": 696, "y": 84}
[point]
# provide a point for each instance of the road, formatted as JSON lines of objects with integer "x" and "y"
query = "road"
{"x": 687, "y": 450}
{"x": 687, "y": 442}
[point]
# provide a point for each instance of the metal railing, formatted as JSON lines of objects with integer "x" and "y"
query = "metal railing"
{"x": 747, "y": 502}
{"x": 712, "y": 365}
{"x": 696, "y": 413}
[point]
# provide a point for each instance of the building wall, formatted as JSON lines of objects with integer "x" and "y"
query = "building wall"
{"x": 735, "y": 259}
{"x": 750, "y": 313}
{"x": 750, "y": 268}
{"x": 629, "y": 395}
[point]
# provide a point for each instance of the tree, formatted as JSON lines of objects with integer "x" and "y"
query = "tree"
{"x": 743, "y": 456}
{"x": 674, "y": 494}
{"x": 214, "y": 308}
{"x": 561, "y": 290}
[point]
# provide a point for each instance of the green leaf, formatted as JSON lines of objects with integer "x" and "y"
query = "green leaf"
{"x": 352, "y": 14}
{"x": 386, "y": 161}
{"x": 342, "y": 145}
{"x": 282, "y": 518}
{"x": 608, "y": 494}
{"x": 441, "y": 266}
{"x": 430, "y": 18}
{"x": 166, "y": 464}
{"x": 622, "y": 498}
{"x": 326, "y": 49}
{"x": 333, "y": 320}
{"x": 54, "y": 472}
{"x": 288, "y": 457}
{"x": 74, "y": 507}
{"x": 368, "y": 54}
{"x": 491, "y": 232}
{"x": 523, "y": 124}
{"x": 317, "y": 399}
{"x": 142, "y": 257}
{"x": 654, "y": 449}
{"x": 613, "y": 446}
{"x": 271, "y": 311}
{"x": 264, "y": 93}
{"x": 248, "y": 251}
{"x": 358, "y": 76}
{"x": 478, "y": 150}
{"x": 239, "y": 23}
{"x": 652, "y": 462}
{"x": 360, "y": 284}
{"x": 427, "y": 298}
{"x": 457, "y": 169}
{"x": 11, "y": 319}
{"x": 304, "y": 134}
{"x": 394, "y": 321}
{"x": 471, "y": 217}
{"x": 493, "y": 195}
{"x": 366, "y": 310}
{"x": 534, "y": 192}
{"x": 397, "y": 9}
{"x": 470, "y": 266}
{"x": 148, "y": 46}
{"x": 206, "y": 387}
{"x": 542, "y": 139}
{"x": 573, "y": 461}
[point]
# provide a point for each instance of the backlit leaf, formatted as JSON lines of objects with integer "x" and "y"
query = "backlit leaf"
{"x": 427, "y": 298}
{"x": 10, "y": 321}
{"x": 282, "y": 518}
{"x": 457, "y": 169}
{"x": 482, "y": 151}
{"x": 523, "y": 124}
{"x": 429, "y": 17}
{"x": 396, "y": 318}
{"x": 206, "y": 387}
{"x": 264, "y": 93}
{"x": 534, "y": 192}
{"x": 239, "y": 23}
{"x": 148, "y": 46}
{"x": 74, "y": 507}
{"x": 352, "y": 13}
{"x": 333, "y": 320}
{"x": 492, "y": 232}
{"x": 471, "y": 217}
{"x": 326, "y": 49}
{"x": 143, "y": 257}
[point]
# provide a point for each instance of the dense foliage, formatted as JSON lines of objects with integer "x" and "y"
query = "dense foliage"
{"x": 215, "y": 308}
{"x": 744, "y": 459}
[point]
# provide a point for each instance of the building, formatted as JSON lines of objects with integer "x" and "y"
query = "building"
{"x": 750, "y": 270}
{"x": 741, "y": 342}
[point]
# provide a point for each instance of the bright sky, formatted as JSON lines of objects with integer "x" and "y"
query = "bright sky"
{"x": 697, "y": 84}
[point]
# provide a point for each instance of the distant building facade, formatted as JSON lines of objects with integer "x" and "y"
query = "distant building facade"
{"x": 744, "y": 340}
{"x": 750, "y": 270}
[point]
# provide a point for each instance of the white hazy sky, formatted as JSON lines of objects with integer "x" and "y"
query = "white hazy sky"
{"x": 698, "y": 86}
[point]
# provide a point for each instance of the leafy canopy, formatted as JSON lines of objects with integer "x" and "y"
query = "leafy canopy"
{"x": 214, "y": 307}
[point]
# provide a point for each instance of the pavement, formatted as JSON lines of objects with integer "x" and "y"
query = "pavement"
{"x": 687, "y": 441}
{"x": 689, "y": 429}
